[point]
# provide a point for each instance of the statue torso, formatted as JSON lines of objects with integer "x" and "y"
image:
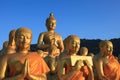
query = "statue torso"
{"x": 51, "y": 37}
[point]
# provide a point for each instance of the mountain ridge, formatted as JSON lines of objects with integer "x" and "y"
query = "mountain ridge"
{"x": 93, "y": 45}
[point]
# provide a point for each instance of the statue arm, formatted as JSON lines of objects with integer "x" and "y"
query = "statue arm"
{"x": 40, "y": 43}
{"x": 52, "y": 66}
{"x": 61, "y": 71}
{"x": 40, "y": 40}
{"x": 61, "y": 45}
{"x": 91, "y": 74}
{"x": 90, "y": 69}
{"x": 3, "y": 66}
{"x": 100, "y": 70}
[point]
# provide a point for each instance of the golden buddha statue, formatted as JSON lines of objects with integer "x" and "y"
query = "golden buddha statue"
{"x": 52, "y": 60}
{"x": 82, "y": 70}
{"x": 46, "y": 39}
{"x": 9, "y": 46}
{"x": 11, "y": 43}
{"x": 2, "y": 51}
{"x": 106, "y": 65}
{"x": 84, "y": 51}
{"x": 23, "y": 65}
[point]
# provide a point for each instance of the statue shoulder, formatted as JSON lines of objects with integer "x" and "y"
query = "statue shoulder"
{"x": 97, "y": 57}
{"x": 65, "y": 59}
{"x": 57, "y": 34}
{"x": 43, "y": 33}
{"x": 5, "y": 57}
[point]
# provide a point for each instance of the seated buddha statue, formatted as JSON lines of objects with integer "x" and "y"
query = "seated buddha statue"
{"x": 23, "y": 65}
{"x": 82, "y": 70}
{"x": 50, "y": 37}
{"x": 106, "y": 65}
{"x": 84, "y": 51}
{"x": 11, "y": 43}
{"x": 10, "y": 47}
{"x": 52, "y": 60}
{"x": 2, "y": 51}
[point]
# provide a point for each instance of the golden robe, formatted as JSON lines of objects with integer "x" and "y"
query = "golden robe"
{"x": 112, "y": 69}
{"x": 36, "y": 64}
{"x": 80, "y": 75}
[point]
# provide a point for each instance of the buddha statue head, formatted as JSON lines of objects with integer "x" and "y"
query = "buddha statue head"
{"x": 5, "y": 44}
{"x": 72, "y": 44}
{"x": 23, "y": 38}
{"x": 51, "y": 22}
{"x": 84, "y": 51}
{"x": 12, "y": 38}
{"x": 106, "y": 47}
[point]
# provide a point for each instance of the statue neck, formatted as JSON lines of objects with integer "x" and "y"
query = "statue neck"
{"x": 23, "y": 51}
{"x": 51, "y": 31}
{"x": 71, "y": 53}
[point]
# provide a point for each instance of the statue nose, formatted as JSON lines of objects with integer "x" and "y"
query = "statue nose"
{"x": 77, "y": 45}
{"x": 111, "y": 49}
{"x": 13, "y": 42}
{"x": 25, "y": 39}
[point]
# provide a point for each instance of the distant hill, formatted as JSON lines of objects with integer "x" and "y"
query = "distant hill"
{"x": 92, "y": 45}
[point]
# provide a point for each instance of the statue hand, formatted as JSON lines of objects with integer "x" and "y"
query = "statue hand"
{"x": 78, "y": 64}
{"x": 30, "y": 76}
{"x": 87, "y": 63}
{"x": 28, "y": 70}
{"x": 24, "y": 70}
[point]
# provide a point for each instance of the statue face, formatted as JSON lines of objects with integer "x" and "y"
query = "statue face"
{"x": 23, "y": 40}
{"x": 12, "y": 38}
{"x": 5, "y": 44}
{"x": 107, "y": 49}
{"x": 51, "y": 25}
{"x": 83, "y": 51}
{"x": 12, "y": 41}
{"x": 74, "y": 45}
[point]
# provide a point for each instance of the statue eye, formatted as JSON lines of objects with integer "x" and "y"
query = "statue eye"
{"x": 21, "y": 37}
{"x": 29, "y": 37}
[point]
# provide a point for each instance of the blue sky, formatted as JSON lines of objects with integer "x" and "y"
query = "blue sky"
{"x": 89, "y": 19}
